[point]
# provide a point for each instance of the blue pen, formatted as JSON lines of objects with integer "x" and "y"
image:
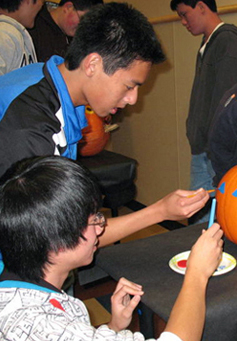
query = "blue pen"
{"x": 212, "y": 213}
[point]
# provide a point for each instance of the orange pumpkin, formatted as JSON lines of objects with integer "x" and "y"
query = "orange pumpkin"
{"x": 94, "y": 136}
{"x": 226, "y": 210}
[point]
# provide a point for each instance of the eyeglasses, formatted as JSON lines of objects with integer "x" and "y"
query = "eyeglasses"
{"x": 99, "y": 220}
{"x": 78, "y": 15}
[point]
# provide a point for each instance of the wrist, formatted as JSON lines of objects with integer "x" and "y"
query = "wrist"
{"x": 196, "y": 278}
{"x": 158, "y": 211}
{"x": 111, "y": 326}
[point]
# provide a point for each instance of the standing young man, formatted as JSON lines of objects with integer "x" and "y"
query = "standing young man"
{"x": 216, "y": 72}
{"x": 43, "y": 238}
{"x": 16, "y": 46}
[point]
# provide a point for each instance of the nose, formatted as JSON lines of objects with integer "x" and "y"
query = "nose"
{"x": 131, "y": 97}
{"x": 184, "y": 21}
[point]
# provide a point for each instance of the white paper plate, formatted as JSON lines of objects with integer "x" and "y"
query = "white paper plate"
{"x": 178, "y": 263}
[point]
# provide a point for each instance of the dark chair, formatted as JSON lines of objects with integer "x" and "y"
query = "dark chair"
{"x": 115, "y": 174}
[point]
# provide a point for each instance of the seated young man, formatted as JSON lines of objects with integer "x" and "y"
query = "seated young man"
{"x": 50, "y": 224}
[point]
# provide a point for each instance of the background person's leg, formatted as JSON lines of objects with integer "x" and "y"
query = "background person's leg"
{"x": 201, "y": 175}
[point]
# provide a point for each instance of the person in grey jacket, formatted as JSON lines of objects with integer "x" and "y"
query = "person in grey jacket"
{"x": 16, "y": 46}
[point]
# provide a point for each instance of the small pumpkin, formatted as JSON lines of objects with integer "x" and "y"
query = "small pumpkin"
{"x": 226, "y": 210}
{"x": 94, "y": 137}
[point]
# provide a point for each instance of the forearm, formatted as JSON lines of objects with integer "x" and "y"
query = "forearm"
{"x": 188, "y": 314}
{"x": 123, "y": 226}
{"x": 175, "y": 206}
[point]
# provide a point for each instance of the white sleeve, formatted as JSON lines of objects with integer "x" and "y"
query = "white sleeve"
{"x": 104, "y": 333}
{"x": 6, "y": 53}
{"x": 167, "y": 336}
{"x": 11, "y": 50}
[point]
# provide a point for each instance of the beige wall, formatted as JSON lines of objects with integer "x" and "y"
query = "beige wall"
{"x": 153, "y": 131}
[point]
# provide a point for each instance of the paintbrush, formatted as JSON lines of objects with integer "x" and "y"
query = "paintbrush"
{"x": 193, "y": 195}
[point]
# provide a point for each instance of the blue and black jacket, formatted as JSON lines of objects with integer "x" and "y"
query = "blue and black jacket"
{"x": 37, "y": 114}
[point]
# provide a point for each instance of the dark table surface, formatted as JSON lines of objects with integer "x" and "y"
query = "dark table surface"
{"x": 145, "y": 261}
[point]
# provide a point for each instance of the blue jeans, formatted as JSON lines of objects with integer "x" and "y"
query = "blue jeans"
{"x": 201, "y": 175}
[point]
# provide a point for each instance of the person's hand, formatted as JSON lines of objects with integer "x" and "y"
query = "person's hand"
{"x": 183, "y": 204}
{"x": 123, "y": 305}
{"x": 206, "y": 253}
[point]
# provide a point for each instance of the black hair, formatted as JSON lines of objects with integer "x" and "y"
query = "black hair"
{"x": 119, "y": 33}
{"x": 192, "y": 3}
{"x": 45, "y": 203}
{"x": 82, "y": 5}
{"x": 11, "y": 6}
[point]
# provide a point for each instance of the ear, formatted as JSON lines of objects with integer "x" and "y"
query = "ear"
{"x": 68, "y": 6}
{"x": 92, "y": 63}
{"x": 202, "y": 6}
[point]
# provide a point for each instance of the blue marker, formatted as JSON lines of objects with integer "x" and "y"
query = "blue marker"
{"x": 212, "y": 213}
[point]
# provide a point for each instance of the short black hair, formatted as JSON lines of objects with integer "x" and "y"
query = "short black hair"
{"x": 82, "y": 5}
{"x": 45, "y": 203}
{"x": 192, "y": 3}
{"x": 119, "y": 33}
{"x": 12, "y": 5}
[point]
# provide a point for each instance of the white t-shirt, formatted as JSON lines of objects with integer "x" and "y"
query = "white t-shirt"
{"x": 35, "y": 315}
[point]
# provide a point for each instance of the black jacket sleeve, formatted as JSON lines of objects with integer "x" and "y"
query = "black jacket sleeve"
{"x": 223, "y": 135}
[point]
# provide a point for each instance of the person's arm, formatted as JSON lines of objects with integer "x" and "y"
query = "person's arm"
{"x": 175, "y": 206}
{"x": 27, "y": 130}
{"x": 224, "y": 57}
{"x": 188, "y": 314}
{"x": 223, "y": 137}
{"x": 8, "y": 52}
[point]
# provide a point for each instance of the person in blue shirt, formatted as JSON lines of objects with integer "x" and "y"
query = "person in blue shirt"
{"x": 42, "y": 106}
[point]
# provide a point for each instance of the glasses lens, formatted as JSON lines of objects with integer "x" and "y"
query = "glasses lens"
{"x": 99, "y": 220}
